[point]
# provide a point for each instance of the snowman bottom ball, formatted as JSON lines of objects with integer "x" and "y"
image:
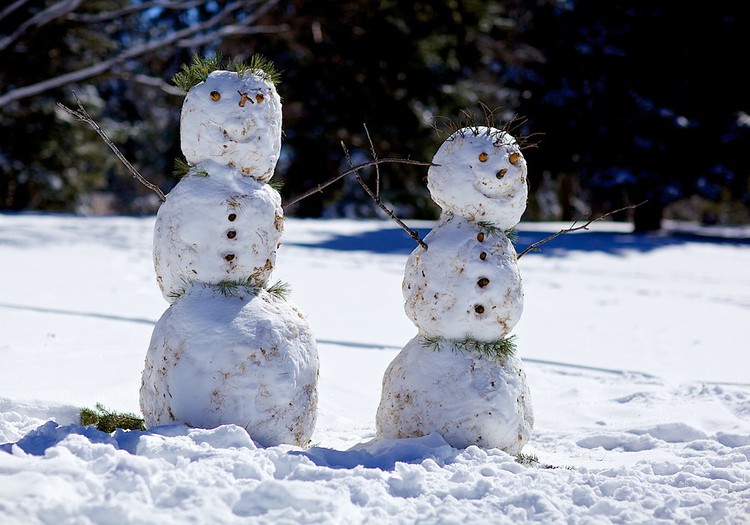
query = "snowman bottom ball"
{"x": 251, "y": 361}
{"x": 466, "y": 398}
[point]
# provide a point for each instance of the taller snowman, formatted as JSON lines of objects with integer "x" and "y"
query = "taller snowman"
{"x": 230, "y": 348}
{"x": 459, "y": 376}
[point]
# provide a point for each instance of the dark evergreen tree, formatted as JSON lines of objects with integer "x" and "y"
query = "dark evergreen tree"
{"x": 636, "y": 98}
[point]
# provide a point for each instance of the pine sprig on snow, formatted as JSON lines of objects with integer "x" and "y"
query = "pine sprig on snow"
{"x": 280, "y": 289}
{"x": 493, "y": 349}
{"x": 193, "y": 74}
{"x": 531, "y": 460}
{"x": 234, "y": 288}
{"x": 490, "y": 228}
{"x": 108, "y": 421}
{"x": 512, "y": 235}
{"x": 183, "y": 167}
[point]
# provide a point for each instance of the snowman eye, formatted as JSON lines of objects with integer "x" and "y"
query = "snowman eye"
{"x": 215, "y": 96}
{"x": 513, "y": 157}
{"x": 483, "y": 157}
{"x": 500, "y": 174}
{"x": 259, "y": 97}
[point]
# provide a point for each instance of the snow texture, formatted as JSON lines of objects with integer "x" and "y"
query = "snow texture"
{"x": 235, "y": 121}
{"x": 215, "y": 228}
{"x": 634, "y": 346}
{"x": 250, "y": 360}
{"x": 465, "y": 285}
{"x": 466, "y": 398}
{"x": 480, "y": 174}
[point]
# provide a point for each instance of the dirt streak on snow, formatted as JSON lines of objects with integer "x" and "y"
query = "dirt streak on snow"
{"x": 634, "y": 348}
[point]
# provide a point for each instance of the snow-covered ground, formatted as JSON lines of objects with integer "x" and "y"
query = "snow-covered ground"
{"x": 636, "y": 350}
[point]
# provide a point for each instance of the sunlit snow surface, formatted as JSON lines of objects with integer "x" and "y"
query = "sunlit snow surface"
{"x": 635, "y": 348}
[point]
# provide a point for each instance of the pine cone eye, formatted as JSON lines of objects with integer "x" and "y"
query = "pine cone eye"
{"x": 215, "y": 96}
{"x": 483, "y": 157}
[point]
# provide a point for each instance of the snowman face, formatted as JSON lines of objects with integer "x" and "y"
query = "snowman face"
{"x": 234, "y": 121}
{"x": 481, "y": 176}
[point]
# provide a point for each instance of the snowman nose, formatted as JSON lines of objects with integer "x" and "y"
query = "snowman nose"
{"x": 244, "y": 97}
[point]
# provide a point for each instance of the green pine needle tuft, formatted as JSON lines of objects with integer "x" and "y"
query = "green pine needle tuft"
{"x": 198, "y": 70}
{"x": 107, "y": 421}
{"x": 230, "y": 288}
{"x": 490, "y": 228}
{"x": 531, "y": 460}
{"x": 280, "y": 289}
{"x": 277, "y": 184}
{"x": 512, "y": 235}
{"x": 258, "y": 64}
{"x": 494, "y": 349}
{"x": 183, "y": 168}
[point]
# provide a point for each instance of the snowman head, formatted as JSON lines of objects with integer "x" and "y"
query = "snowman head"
{"x": 480, "y": 174}
{"x": 234, "y": 119}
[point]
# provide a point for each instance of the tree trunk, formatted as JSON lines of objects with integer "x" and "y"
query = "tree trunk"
{"x": 647, "y": 217}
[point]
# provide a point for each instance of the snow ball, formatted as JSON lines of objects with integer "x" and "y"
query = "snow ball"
{"x": 466, "y": 398}
{"x": 250, "y": 361}
{"x": 216, "y": 228}
{"x": 463, "y": 287}
{"x": 233, "y": 120}
{"x": 480, "y": 174}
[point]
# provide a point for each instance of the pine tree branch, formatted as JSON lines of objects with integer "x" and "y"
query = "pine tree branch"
{"x": 53, "y": 12}
{"x": 12, "y": 7}
{"x": 105, "y": 65}
{"x": 105, "y": 16}
{"x": 374, "y": 157}
{"x": 82, "y": 115}
{"x": 233, "y": 30}
{"x": 412, "y": 233}
{"x": 320, "y": 187}
{"x": 574, "y": 228}
{"x": 147, "y": 80}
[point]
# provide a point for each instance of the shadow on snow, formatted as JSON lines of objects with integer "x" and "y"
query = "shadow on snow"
{"x": 397, "y": 241}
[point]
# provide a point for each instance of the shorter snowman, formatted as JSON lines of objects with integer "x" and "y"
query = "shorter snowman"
{"x": 458, "y": 377}
{"x": 230, "y": 348}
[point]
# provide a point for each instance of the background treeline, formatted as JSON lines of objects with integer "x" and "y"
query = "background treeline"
{"x": 634, "y": 100}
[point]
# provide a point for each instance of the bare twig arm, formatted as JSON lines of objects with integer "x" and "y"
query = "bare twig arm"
{"x": 412, "y": 233}
{"x": 82, "y": 115}
{"x": 320, "y": 187}
{"x": 374, "y": 157}
{"x": 574, "y": 228}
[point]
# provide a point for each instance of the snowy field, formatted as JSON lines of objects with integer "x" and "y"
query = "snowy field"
{"x": 636, "y": 350}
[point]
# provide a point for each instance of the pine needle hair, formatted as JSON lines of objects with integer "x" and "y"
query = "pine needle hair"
{"x": 198, "y": 70}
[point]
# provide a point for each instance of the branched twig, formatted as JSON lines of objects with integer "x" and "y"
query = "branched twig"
{"x": 320, "y": 187}
{"x": 412, "y": 233}
{"x": 82, "y": 115}
{"x": 374, "y": 157}
{"x": 574, "y": 228}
